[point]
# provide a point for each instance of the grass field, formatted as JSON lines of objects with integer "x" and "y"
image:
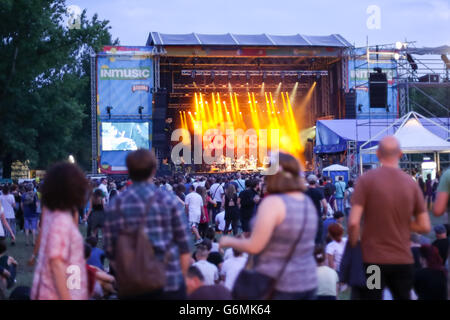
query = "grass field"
{"x": 25, "y": 273}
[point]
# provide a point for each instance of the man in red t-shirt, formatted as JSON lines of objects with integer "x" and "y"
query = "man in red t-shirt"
{"x": 391, "y": 205}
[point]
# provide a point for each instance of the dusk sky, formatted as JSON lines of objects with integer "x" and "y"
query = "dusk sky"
{"x": 427, "y": 22}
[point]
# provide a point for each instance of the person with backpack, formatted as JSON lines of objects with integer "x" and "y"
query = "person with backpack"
{"x": 146, "y": 236}
{"x": 30, "y": 214}
{"x": 348, "y": 197}
{"x": 217, "y": 191}
{"x": 330, "y": 198}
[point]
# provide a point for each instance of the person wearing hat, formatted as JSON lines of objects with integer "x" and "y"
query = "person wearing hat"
{"x": 442, "y": 241}
{"x": 320, "y": 203}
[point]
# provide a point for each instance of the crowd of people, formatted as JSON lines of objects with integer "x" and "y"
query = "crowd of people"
{"x": 195, "y": 236}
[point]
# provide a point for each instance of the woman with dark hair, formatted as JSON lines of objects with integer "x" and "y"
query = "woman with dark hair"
{"x": 180, "y": 190}
{"x": 429, "y": 191}
{"x": 430, "y": 282}
{"x": 204, "y": 218}
{"x": 60, "y": 272}
{"x": 421, "y": 185}
{"x": 18, "y": 208}
{"x": 230, "y": 199}
{"x": 331, "y": 201}
{"x": 286, "y": 222}
{"x": 96, "y": 214}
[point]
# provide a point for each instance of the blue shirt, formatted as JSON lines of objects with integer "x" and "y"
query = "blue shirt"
{"x": 340, "y": 189}
{"x": 326, "y": 224}
{"x": 240, "y": 183}
{"x": 96, "y": 258}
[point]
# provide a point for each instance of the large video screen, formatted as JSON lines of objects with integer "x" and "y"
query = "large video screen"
{"x": 124, "y": 136}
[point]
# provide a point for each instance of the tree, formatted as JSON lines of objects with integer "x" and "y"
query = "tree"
{"x": 419, "y": 101}
{"x": 45, "y": 82}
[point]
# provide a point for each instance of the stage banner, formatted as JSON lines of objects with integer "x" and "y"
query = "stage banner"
{"x": 125, "y": 82}
{"x": 124, "y": 104}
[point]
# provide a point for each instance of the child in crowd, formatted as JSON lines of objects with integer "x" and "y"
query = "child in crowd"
{"x": 100, "y": 283}
{"x": 327, "y": 277}
{"x": 335, "y": 249}
{"x": 97, "y": 257}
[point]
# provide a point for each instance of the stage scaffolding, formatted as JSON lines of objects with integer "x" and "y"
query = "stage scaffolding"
{"x": 94, "y": 148}
{"x": 407, "y": 73}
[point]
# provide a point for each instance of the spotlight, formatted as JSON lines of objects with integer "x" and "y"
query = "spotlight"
{"x": 396, "y": 56}
{"x": 140, "y": 110}
{"x": 108, "y": 109}
{"x": 398, "y": 45}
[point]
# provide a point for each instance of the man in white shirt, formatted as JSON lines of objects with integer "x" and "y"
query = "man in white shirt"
{"x": 208, "y": 270}
{"x": 8, "y": 203}
{"x": 194, "y": 207}
{"x": 103, "y": 186}
{"x": 232, "y": 267}
{"x": 216, "y": 191}
{"x": 220, "y": 222}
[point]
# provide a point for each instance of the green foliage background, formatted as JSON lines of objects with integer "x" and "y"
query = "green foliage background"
{"x": 45, "y": 82}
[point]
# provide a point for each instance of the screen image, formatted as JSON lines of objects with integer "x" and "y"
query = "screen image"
{"x": 124, "y": 136}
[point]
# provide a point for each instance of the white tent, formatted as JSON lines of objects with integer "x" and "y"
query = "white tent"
{"x": 336, "y": 167}
{"x": 414, "y": 137}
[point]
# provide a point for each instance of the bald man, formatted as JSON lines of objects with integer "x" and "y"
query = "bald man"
{"x": 392, "y": 205}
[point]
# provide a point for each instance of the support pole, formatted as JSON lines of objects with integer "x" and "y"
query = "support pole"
{"x": 438, "y": 162}
{"x": 360, "y": 163}
{"x": 94, "y": 133}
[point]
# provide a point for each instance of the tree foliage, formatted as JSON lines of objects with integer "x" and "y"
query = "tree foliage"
{"x": 45, "y": 82}
{"x": 420, "y": 101}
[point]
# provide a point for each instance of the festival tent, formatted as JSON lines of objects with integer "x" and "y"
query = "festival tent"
{"x": 332, "y": 135}
{"x": 413, "y": 137}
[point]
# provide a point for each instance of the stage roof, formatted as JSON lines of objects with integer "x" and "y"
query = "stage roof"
{"x": 261, "y": 40}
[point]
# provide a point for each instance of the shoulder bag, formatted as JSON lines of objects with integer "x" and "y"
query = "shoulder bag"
{"x": 253, "y": 285}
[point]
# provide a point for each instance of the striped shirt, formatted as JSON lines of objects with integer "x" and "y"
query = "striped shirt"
{"x": 300, "y": 274}
{"x": 165, "y": 225}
